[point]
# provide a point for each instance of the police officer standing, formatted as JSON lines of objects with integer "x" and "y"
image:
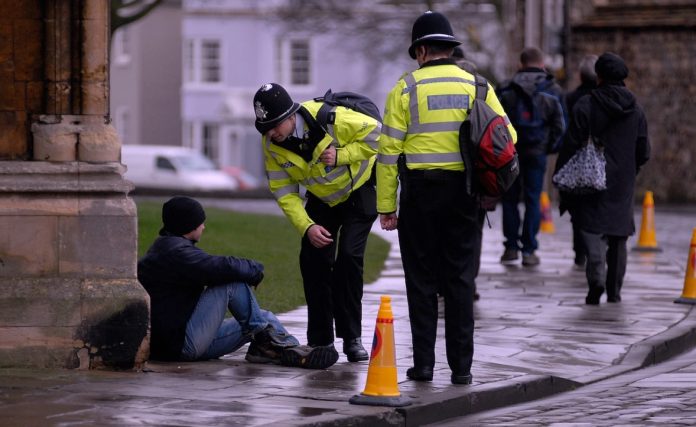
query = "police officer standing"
{"x": 333, "y": 161}
{"x": 437, "y": 221}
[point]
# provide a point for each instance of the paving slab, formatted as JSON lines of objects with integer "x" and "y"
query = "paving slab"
{"x": 534, "y": 337}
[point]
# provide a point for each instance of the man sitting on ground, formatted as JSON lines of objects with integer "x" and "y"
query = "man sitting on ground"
{"x": 191, "y": 291}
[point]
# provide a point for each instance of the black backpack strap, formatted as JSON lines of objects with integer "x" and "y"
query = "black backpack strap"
{"x": 324, "y": 115}
{"x": 481, "y": 87}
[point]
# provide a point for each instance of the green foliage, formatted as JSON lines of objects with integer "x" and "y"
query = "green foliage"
{"x": 269, "y": 239}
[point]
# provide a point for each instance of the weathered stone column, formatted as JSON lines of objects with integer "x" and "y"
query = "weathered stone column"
{"x": 69, "y": 296}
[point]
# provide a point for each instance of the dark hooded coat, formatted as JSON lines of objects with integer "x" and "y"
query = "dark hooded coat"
{"x": 618, "y": 123}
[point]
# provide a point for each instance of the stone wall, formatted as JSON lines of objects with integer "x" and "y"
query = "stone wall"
{"x": 662, "y": 76}
{"x": 21, "y": 74}
{"x": 69, "y": 296}
{"x": 658, "y": 44}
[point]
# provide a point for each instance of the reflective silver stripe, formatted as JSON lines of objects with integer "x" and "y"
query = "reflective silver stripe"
{"x": 507, "y": 119}
{"x": 413, "y": 105}
{"x": 387, "y": 159}
{"x": 410, "y": 83}
{"x": 278, "y": 175}
{"x": 330, "y": 177}
{"x": 416, "y": 128}
{"x": 373, "y": 136}
{"x": 446, "y": 80}
{"x": 345, "y": 190}
{"x": 284, "y": 191}
{"x": 434, "y": 158}
{"x": 393, "y": 133}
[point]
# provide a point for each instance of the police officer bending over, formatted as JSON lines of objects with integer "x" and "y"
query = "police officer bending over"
{"x": 438, "y": 222}
{"x": 333, "y": 161}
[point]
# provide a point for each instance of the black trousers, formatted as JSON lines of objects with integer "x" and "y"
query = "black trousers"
{"x": 333, "y": 275}
{"x": 440, "y": 236}
{"x": 606, "y": 261}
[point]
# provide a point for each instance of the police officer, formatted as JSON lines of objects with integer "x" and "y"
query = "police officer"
{"x": 334, "y": 162}
{"x": 437, "y": 221}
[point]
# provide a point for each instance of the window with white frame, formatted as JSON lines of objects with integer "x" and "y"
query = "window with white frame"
{"x": 210, "y": 141}
{"x": 299, "y": 62}
{"x": 202, "y": 61}
{"x": 294, "y": 62}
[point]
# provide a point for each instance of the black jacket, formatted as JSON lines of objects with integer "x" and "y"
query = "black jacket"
{"x": 526, "y": 83}
{"x": 174, "y": 272}
{"x": 619, "y": 124}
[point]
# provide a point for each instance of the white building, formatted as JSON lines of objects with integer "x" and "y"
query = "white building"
{"x": 145, "y": 78}
{"x": 230, "y": 48}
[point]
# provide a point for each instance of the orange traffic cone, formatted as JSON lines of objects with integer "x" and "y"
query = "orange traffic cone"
{"x": 646, "y": 239}
{"x": 689, "y": 293}
{"x": 546, "y": 225}
{"x": 382, "y": 388}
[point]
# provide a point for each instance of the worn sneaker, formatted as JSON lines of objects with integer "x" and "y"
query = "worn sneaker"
{"x": 263, "y": 353}
{"x": 510, "y": 255}
{"x": 308, "y": 357}
{"x": 530, "y": 260}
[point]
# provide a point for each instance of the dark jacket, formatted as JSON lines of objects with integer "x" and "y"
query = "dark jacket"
{"x": 538, "y": 86}
{"x": 174, "y": 272}
{"x": 618, "y": 123}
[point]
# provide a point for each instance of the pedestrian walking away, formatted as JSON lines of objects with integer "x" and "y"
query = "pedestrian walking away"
{"x": 612, "y": 117}
{"x": 438, "y": 221}
{"x": 588, "y": 82}
{"x": 533, "y": 101}
{"x": 191, "y": 292}
{"x": 333, "y": 161}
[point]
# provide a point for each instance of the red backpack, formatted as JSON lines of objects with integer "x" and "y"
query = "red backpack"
{"x": 487, "y": 148}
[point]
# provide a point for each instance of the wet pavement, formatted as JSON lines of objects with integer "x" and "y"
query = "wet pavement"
{"x": 663, "y": 394}
{"x": 534, "y": 337}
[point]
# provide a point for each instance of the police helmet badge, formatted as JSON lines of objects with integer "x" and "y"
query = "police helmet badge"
{"x": 260, "y": 111}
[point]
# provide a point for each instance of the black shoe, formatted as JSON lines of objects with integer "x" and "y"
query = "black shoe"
{"x": 614, "y": 298}
{"x": 308, "y": 357}
{"x": 263, "y": 353}
{"x": 420, "y": 374}
{"x": 462, "y": 379}
{"x": 355, "y": 350}
{"x": 530, "y": 260}
{"x": 509, "y": 255}
{"x": 593, "y": 295}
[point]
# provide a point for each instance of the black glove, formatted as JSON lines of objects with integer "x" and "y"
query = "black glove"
{"x": 256, "y": 280}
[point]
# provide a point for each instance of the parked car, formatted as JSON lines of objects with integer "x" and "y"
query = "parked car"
{"x": 245, "y": 180}
{"x": 173, "y": 168}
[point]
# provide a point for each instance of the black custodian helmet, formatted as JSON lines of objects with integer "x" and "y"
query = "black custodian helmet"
{"x": 431, "y": 27}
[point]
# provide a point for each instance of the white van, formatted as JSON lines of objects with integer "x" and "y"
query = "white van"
{"x": 173, "y": 168}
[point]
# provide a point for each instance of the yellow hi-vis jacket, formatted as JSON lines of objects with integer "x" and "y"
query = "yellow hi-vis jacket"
{"x": 422, "y": 117}
{"x": 355, "y": 136}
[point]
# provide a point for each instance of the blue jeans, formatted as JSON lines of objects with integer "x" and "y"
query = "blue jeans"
{"x": 210, "y": 335}
{"x": 530, "y": 183}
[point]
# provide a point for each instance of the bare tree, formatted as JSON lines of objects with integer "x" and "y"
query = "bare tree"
{"x": 382, "y": 28}
{"x": 123, "y": 12}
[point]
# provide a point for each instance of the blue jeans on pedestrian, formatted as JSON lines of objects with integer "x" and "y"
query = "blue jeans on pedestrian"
{"x": 530, "y": 183}
{"x": 210, "y": 335}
